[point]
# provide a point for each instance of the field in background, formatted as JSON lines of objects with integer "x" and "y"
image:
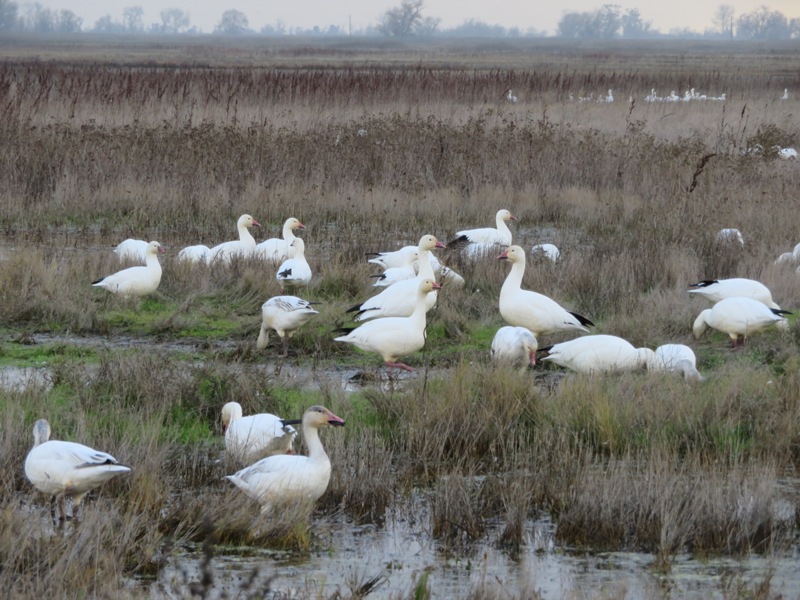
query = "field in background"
{"x": 371, "y": 147}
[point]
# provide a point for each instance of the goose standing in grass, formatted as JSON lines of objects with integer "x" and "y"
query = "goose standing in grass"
{"x": 785, "y": 94}
{"x": 131, "y": 249}
{"x": 251, "y": 438}
{"x": 288, "y": 479}
{"x": 136, "y": 281}
{"x": 277, "y": 250}
{"x": 241, "y": 248}
{"x": 284, "y": 314}
{"x": 394, "y": 274}
{"x": 393, "y": 337}
{"x": 296, "y": 271}
{"x": 510, "y": 97}
{"x": 738, "y": 317}
{"x": 532, "y": 310}
{"x": 676, "y": 358}
{"x": 480, "y": 241}
{"x": 515, "y": 346}
{"x": 67, "y": 469}
{"x": 400, "y": 299}
{"x": 597, "y": 354}
{"x": 715, "y": 290}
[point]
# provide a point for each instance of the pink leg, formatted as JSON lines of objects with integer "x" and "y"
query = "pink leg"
{"x": 399, "y": 365}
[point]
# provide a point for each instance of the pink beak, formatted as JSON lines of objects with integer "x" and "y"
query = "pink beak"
{"x": 256, "y": 223}
{"x": 503, "y": 255}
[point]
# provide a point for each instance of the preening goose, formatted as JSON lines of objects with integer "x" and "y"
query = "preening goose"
{"x": 537, "y": 312}
{"x": 295, "y": 271}
{"x": 136, "y": 281}
{"x": 251, "y": 438}
{"x": 400, "y": 299}
{"x": 277, "y": 250}
{"x": 394, "y": 274}
{"x": 284, "y": 314}
{"x": 131, "y": 249}
{"x": 677, "y": 358}
{"x": 597, "y": 354}
{"x": 241, "y": 248}
{"x": 515, "y": 346}
{"x": 66, "y": 469}
{"x": 393, "y": 337}
{"x": 487, "y": 236}
{"x": 738, "y": 317}
{"x": 195, "y": 254}
{"x": 718, "y": 289}
{"x": 286, "y": 479}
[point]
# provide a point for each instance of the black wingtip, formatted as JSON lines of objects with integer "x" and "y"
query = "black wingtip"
{"x": 781, "y": 312}
{"x": 96, "y": 281}
{"x": 582, "y": 320}
{"x": 704, "y": 283}
{"x": 545, "y": 350}
{"x": 378, "y": 276}
{"x": 459, "y": 241}
{"x": 285, "y": 273}
{"x": 354, "y": 308}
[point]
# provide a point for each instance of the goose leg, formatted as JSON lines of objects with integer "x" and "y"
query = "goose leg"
{"x": 285, "y": 340}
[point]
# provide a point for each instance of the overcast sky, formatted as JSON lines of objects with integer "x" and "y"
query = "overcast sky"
{"x": 540, "y": 15}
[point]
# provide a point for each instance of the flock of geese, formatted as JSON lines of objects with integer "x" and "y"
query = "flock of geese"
{"x": 391, "y": 324}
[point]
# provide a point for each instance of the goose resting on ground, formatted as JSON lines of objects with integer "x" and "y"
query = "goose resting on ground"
{"x": 738, "y": 317}
{"x": 136, "y": 281}
{"x": 532, "y": 310}
{"x": 394, "y": 274}
{"x": 196, "y": 254}
{"x": 597, "y": 354}
{"x": 295, "y": 271}
{"x": 284, "y": 314}
{"x": 277, "y": 250}
{"x": 285, "y": 479}
{"x": 251, "y": 438}
{"x": 241, "y": 248}
{"x": 483, "y": 239}
{"x": 131, "y": 249}
{"x": 719, "y": 289}
{"x": 67, "y": 469}
{"x": 515, "y": 346}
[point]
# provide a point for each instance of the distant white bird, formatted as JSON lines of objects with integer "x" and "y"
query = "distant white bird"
{"x": 510, "y": 97}
{"x": 394, "y": 337}
{"x": 136, "y": 281}
{"x": 730, "y": 235}
{"x": 514, "y": 346}
{"x": 276, "y": 249}
{"x": 739, "y": 317}
{"x": 241, "y": 248}
{"x": 288, "y": 479}
{"x": 131, "y": 249}
{"x": 284, "y": 314}
{"x": 491, "y": 236}
{"x": 608, "y": 97}
{"x": 251, "y": 438}
{"x": 715, "y": 290}
{"x": 294, "y": 272}
{"x": 597, "y": 354}
{"x": 676, "y": 358}
{"x": 785, "y": 94}
{"x": 66, "y": 469}
{"x": 450, "y": 278}
{"x": 550, "y": 251}
{"x": 525, "y": 308}
{"x": 787, "y": 153}
{"x": 395, "y": 274}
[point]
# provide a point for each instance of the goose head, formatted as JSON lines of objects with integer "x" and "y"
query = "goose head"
{"x": 299, "y": 247}
{"x": 428, "y": 285}
{"x": 155, "y": 248}
{"x": 41, "y": 432}
{"x": 505, "y": 215}
{"x": 247, "y": 221}
{"x": 429, "y": 242}
{"x": 319, "y": 416}
{"x": 230, "y": 412}
{"x": 293, "y": 224}
{"x": 514, "y": 254}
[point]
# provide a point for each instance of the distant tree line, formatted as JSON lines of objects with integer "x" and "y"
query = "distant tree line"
{"x": 407, "y": 20}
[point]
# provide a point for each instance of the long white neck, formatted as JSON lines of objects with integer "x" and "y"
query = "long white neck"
{"x": 288, "y": 233}
{"x": 299, "y": 251}
{"x": 425, "y": 268}
{"x": 315, "y": 450}
{"x": 513, "y": 280}
{"x": 501, "y": 225}
{"x": 151, "y": 261}
{"x": 418, "y": 318}
{"x": 245, "y": 237}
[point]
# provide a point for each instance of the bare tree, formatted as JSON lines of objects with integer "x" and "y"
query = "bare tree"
{"x": 68, "y": 22}
{"x": 763, "y": 24}
{"x": 723, "y": 19}
{"x": 132, "y": 19}
{"x": 8, "y": 15}
{"x": 174, "y": 20}
{"x": 402, "y": 20}
{"x": 232, "y": 22}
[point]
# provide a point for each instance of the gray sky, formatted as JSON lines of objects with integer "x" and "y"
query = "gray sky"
{"x": 664, "y": 15}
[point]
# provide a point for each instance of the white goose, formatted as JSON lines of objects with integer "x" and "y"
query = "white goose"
{"x": 196, "y": 254}
{"x": 394, "y": 274}
{"x": 549, "y": 251}
{"x": 136, "y": 281}
{"x": 295, "y": 271}
{"x": 66, "y": 469}
{"x": 242, "y": 248}
{"x": 515, "y": 346}
{"x": 276, "y": 249}
{"x": 715, "y": 290}
{"x": 537, "y": 312}
{"x": 251, "y": 438}
{"x": 131, "y": 249}
{"x": 287, "y": 479}
{"x": 487, "y": 236}
{"x": 738, "y": 317}
{"x": 677, "y": 358}
{"x": 730, "y": 235}
{"x": 284, "y": 314}
{"x": 393, "y": 337}
{"x": 400, "y": 299}
{"x": 597, "y": 354}
{"x": 396, "y": 258}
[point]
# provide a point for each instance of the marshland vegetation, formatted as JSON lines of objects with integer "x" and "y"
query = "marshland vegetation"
{"x": 371, "y": 148}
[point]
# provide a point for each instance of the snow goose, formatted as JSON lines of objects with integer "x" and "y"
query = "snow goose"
{"x": 510, "y": 97}
{"x": 136, "y": 281}
{"x": 396, "y": 258}
{"x": 515, "y": 346}
{"x": 400, "y": 299}
{"x": 284, "y": 314}
{"x": 715, "y": 290}
{"x": 487, "y": 236}
{"x": 393, "y": 337}
{"x": 195, "y": 254}
{"x": 730, "y": 235}
{"x": 251, "y": 438}
{"x": 449, "y": 277}
{"x": 276, "y": 249}
{"x": 395, "y": 274}
{"x": 131, "y": 249}
{"x": 549, "y": 251}
{"x": 537, "y": 312}
{"x": 597, "y": 354}
{"x": 295, "y": 271}
{"x": 785, "y": 94}
{"x": 242, "y": 248}
{"x": 676, "y": 358}
{"x": 738, "y": 317}
{"x": 289, "y": 478}
{"x": 67, "y": 469}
